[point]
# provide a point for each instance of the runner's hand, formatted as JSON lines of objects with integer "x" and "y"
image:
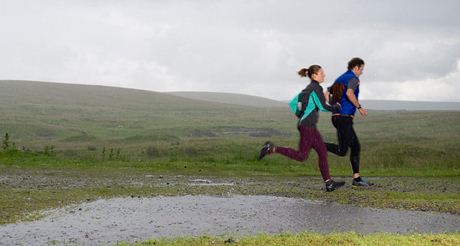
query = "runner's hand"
{"x": 363, "y": 111}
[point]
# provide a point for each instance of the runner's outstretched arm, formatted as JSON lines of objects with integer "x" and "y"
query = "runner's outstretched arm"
{"x": 322, "y": 105}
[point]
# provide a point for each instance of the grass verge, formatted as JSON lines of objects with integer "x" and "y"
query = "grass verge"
{"x": 349, "y": 238}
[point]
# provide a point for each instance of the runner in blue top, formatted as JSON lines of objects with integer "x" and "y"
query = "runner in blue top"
{"x": 346, "y": 91}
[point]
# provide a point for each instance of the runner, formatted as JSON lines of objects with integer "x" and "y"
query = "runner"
{"x": 345, "y": 91}
{"x": 310, "y": 100}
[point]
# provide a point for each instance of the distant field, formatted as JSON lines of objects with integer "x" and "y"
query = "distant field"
{"x": 231, "y": 98}
{"x": 97, "y": 125}
{"x": 385, "y": 105}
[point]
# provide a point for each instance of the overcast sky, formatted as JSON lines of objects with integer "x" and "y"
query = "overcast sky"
{"x": 411, "y": 48}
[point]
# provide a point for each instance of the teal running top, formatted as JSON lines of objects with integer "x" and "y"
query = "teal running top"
{"x": 310, "y": 101}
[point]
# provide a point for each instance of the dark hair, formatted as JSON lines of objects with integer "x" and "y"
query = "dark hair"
{"x": 355, "y": 62}
{"x": 304, "y": 72}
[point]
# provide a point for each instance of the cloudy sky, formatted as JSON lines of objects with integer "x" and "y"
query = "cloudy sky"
{"x": 411, "y": 48}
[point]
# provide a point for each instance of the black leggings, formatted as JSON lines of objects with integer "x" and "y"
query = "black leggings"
{"x": 347, "y": 139}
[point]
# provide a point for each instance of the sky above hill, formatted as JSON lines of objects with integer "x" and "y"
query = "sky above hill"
{"x": 411, "y": 48}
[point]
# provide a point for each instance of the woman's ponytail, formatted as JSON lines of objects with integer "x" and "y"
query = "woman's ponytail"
{"x": 304, "y": 72}
{"x": 308, "y": 72}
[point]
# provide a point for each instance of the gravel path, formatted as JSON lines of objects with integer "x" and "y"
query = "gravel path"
{"x": 134, "y": 219}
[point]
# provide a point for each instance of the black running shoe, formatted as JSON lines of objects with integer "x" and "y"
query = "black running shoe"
{"x": 332, "y": 185}
{"x": 361, "y": 183}
{"x": 265, "y": 150}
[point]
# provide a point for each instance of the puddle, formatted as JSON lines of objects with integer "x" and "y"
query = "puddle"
{"x": 207, "y": 182}
{"x": 134, "y": 219}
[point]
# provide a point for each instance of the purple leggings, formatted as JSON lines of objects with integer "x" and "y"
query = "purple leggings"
{"x": 309, "y": 138}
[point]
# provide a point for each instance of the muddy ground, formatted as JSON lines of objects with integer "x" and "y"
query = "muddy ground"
{"x": 68, "y": 178}
{"x": 290, "y": 203}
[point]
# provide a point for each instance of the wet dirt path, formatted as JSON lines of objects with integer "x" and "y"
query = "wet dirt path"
{"x": 134, "y": 219}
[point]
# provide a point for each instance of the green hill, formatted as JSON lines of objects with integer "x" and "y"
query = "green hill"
{"x": 231, "y": 98}
{"x": 33, "y": 112}
{"x": 86, "y": 122}
{"x": 392, "y": 105}
{"x": 253, "y": 101}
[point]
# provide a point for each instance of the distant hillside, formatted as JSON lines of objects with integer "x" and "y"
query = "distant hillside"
{"x": 410, "y": 105}
{"x": 60, "y": 94}
{"x": 231, "y": 98}
{"x": 42, "y": 111}
{"x": 246, "y": 100}
{"x": 84, "y": 120}
{"x": 97, "y": 122}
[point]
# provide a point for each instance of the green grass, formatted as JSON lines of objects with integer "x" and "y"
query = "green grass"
{"x": 348, "y": 238}
{"x": 215, "y": 165}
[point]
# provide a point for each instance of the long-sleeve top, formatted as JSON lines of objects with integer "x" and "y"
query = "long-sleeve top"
{"x": 310, "y": 101}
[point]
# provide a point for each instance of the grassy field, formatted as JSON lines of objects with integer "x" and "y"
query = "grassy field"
{"x": 75, "y": 143}
{"x": 143, "y": 129}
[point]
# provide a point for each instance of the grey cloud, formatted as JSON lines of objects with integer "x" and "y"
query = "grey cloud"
{"x": 234, "y": 46}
